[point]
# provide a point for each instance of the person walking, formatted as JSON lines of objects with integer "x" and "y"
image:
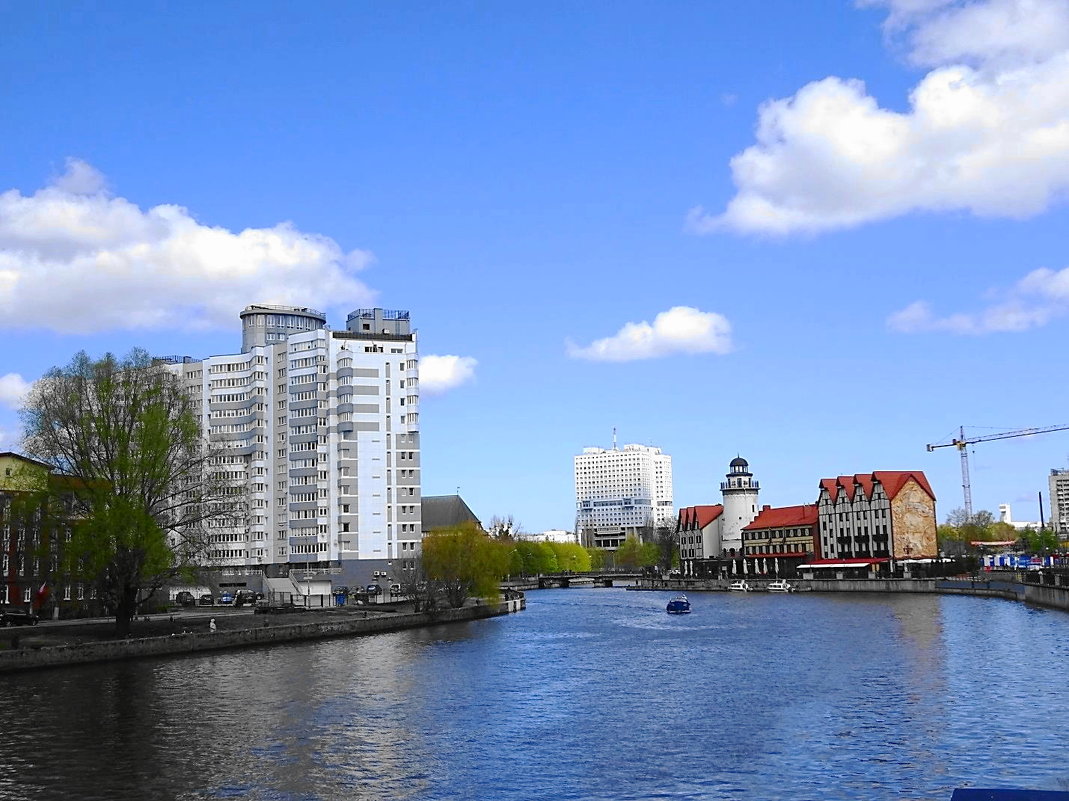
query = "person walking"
{"x": 211, "y": 625}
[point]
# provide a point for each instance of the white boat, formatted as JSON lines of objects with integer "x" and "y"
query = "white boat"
{"x": 739, "y": 586}
{"x": 780, "y": 585}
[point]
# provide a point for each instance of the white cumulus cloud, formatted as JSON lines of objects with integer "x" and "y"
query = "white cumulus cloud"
{"x": 987, "y": 129}
{"x": 681, "y": 329}
{"x": 13, "y": 388}
{"x": 438, "y": 374}
{"x": 1035, "y": 300}
{"x": 75, "y": 258}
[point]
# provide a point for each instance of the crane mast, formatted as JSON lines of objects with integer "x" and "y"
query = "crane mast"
{"x": 962, "y": 444}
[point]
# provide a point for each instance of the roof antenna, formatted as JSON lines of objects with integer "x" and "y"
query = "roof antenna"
{"x": 614, "y": 437}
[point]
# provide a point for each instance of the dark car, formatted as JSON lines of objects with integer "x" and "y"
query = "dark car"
{"x": 13, "y": 616}
{"x": 185, "y": 598}
{"x": 374, "y": 589}
{"x": 206, "y": 600}
{"x": 244, "y": 597}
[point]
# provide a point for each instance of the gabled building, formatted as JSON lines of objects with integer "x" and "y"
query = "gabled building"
{"x": 698, "y": 531}
{"x": 780, "y": 539}
{"x": 876, "y": 517}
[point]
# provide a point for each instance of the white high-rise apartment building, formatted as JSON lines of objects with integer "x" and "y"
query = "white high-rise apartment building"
{"x": 321, "y": 436}
{"x": 619, "y": 492}
{"x": 1059, "y": 500}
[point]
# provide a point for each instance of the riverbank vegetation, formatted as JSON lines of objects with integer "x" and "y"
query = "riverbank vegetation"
{"x": 960, "y": 530}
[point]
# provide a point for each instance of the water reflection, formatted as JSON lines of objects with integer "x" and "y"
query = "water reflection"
{"x": 590, "y": 694}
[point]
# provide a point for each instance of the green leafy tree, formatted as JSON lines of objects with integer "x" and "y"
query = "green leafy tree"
{"x": 598, "y": 558}
{"x": 465, "y": 562}
{"x": 630, "y": 553}
{"x": 1044, "y": 540}
{"x": 666, "y": 541}
{"x": 142, "y": 490}
{"x": 571, "y": 556}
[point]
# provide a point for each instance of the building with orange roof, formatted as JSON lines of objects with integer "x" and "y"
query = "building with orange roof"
{"x": 880, "y": 516}
{"x": 779, "y": 539}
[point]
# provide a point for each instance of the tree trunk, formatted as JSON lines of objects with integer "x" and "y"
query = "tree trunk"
{"x": 125, "y": 611}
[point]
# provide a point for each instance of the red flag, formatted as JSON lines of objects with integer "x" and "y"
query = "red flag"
{"x": 42, "y": 593}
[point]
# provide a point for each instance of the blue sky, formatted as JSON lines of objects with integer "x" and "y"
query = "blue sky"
{"x": 857, "y": 213}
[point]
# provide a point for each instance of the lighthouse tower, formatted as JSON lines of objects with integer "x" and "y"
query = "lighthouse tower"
{"x": 740, "y": 504}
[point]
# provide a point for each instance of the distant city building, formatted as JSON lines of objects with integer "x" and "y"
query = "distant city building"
{"x": 1059, "y": 501}
{"x": 871, "y": 518}
{"x": 1005, "y": 516}
{"x": 620, "y": 493}
{"x": 716, "y": 531}
{"x": 553, "y": 535}
{"x": 321, "y": 434}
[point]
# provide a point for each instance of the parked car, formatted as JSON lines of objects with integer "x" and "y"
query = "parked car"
{"x": 185, "y": 598}
{"x": 13, "y": 616}
{"x": 374, "y": 589}
{"x": 226, "y": 598}
{"x": 244, "y": 597}
{"x": 206, "y": 600}
{"x": 395, "y": 589}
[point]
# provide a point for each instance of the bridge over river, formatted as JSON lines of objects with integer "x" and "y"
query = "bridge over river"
{"x": 606, "y": 578}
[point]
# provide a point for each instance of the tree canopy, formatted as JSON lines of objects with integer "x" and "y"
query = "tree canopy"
{"x": 144, "y": 491}
{"x": 464, "y": 562}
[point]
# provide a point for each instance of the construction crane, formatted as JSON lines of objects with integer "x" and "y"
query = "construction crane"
{"x": 963, "y": 444}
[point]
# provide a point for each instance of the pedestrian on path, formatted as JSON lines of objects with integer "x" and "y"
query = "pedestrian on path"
{"x": 211, "y": 625}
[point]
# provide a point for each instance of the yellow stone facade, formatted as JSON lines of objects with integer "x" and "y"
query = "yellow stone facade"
{"x": 913, "y": 523}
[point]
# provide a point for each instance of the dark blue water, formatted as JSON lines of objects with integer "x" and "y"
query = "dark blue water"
{"x": 589, "y": 694}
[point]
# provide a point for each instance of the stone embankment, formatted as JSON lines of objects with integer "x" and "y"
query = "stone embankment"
{"x": 268, "y": 632}
{"x": 1014, "y": 589}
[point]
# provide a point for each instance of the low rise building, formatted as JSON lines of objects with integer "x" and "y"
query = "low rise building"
{"x": 780, "y": 539}
{"x": 33, "y": 573}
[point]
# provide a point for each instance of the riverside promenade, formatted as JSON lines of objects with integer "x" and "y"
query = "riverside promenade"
{"x": 262, "y": 630}
{"x": 1011, "y": 586}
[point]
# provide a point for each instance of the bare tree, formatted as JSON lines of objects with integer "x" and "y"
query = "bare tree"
{"x": 145, "y": 492}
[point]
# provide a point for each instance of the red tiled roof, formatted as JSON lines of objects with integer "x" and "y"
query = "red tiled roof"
{"x": 894, "y": 480}
{"x": 784, "y": 516}
{"x": 891, "y": 480}
{"x": 830, "y": 486}
{"x": 699, "y": 516}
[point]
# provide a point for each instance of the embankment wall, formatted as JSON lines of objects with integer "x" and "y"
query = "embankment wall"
{"x": 269, "y": 632}
{"x": 1054, "y": 597}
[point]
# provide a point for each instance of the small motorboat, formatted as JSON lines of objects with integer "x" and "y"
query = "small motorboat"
{"x": 780, "y": 585}
{"x": 679, "y": 605}
{"x": 739, "y": 586}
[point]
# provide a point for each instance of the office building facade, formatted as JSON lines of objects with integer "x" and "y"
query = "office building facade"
{"x": 621, "y": 493}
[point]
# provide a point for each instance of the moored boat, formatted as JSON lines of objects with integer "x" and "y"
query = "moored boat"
{"x": 679, "y": 605}
{"x": 780, "y": 585}
{"x": 739, "y": 586}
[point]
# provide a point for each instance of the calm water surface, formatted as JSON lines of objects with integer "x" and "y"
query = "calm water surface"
{"x": 589, "y": 694}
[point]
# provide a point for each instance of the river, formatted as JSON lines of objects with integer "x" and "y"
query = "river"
{"x": 589, "y": 694}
